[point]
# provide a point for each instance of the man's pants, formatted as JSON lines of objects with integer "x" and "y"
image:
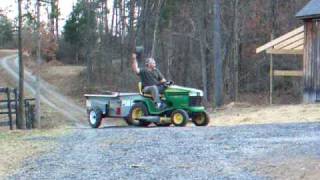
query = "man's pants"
{"x": 154, "y": 91}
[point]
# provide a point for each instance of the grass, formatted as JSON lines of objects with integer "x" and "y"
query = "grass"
{"x": 17, "y": 146}
{"x": 237, "y": 115}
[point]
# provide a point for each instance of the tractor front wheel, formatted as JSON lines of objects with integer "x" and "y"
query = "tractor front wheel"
{"x": 201, "y": 119}
{"x": 179, "y": 117}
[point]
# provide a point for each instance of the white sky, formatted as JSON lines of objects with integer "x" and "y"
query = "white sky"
{"x": 11, "y": 7}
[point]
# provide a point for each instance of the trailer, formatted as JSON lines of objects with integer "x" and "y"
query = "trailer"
{"x": 109, "y": 105}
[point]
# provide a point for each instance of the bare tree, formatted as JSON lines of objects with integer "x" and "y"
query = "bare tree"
{"x": 57, "y": 19}
{"x": 37, "y": 122}
{"x": 236, "y": 53}
{"x": 203, "y": 47}
{"x": 156, "y": 27}
{"x": 106, "y": 22}
{"x": 132, "y": 40}
{"x": 21, "y": 123}
{"x": 218, "y": 78}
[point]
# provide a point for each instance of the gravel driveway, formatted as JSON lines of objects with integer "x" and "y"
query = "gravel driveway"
{"x": 289, "y": 151}
{"x": 243, "y": 152}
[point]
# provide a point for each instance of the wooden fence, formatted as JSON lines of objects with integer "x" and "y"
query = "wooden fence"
{"x": 9, "y": 107}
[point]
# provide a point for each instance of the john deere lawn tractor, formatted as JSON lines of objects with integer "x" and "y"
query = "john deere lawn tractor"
{"x": 181, "y": 105}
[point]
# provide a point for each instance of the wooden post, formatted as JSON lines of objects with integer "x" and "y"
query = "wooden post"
{"x": 273, "y": 26}
{"x": 9, "y": 108}
{"x": 271, "y": 76}
{"x": 16, "y": 103}
{"x": 26, "y": 104}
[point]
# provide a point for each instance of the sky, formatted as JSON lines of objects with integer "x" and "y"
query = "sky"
{"x": 11, "y": 7}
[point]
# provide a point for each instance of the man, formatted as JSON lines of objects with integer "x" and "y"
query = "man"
{"x": 151, "y": 78}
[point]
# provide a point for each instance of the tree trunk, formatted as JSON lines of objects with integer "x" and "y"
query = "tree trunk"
{"x": 57, "y": 20}
{"x": 106, "y": 22}
{"x": 203, "y": 66}
{"x": 170, "y": 50}
{"x": 236, "y": 52}
{"x": 132, "y": 41}
{"x": 203, "y": 57}
{"x": 37, "y": 122}
{"x": 218, "y": 83}
{"x": 52, "y": 18}
{"x": 21, "y": 123}
{"x": 156, "y": 29}
{"x": 112, "y": 20}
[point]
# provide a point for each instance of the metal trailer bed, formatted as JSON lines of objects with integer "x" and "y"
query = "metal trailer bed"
{"x": 113, "y": 104}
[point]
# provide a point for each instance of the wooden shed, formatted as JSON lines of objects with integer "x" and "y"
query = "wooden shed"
{"x": 310, "y": 14}
{"x": 304, "y": 40}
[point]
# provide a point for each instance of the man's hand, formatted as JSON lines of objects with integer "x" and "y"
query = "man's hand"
{"x": 134, "y": 66}
{"x": 134, "y": 56}
{"x": 163, "y": 80}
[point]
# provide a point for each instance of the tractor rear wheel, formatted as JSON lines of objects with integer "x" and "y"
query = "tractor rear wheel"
{"x": 201, "y": 119}
{"x": 179, "y": 117}
{"x": 138, "y": 110}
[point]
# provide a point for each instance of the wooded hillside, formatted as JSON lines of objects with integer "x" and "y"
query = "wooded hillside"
{"x": 101, "y": 34}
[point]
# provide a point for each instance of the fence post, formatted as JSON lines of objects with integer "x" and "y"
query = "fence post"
{"x": 26, "y": 111}
{"x": 9, "y": 108}
{"x": 17, "y": 107}
{"x": 16, "y": 102}
{"x": 32, "y": 116}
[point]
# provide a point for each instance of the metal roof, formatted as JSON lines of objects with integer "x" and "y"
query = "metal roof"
{"x": 310, "y": 11}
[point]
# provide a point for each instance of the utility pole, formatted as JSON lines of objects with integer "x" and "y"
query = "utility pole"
{"x": 21, "y": 123}
{"x": 38, "y": 108}
{"x": 218, "y": 78}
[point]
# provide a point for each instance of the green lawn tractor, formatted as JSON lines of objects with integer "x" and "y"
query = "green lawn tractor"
{"x": 181, "y": 105}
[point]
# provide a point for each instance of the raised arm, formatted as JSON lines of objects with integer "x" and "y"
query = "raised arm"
{"x": 134, "y": 65}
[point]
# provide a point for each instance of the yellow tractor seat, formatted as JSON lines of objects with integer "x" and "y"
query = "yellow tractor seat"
{"x": 145, "y": 94}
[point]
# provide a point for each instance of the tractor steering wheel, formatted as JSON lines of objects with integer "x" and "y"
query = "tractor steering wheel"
{"x": 168, "y": 83}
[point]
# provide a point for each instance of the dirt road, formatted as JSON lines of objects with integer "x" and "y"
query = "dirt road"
{"x": 49, "y": 95}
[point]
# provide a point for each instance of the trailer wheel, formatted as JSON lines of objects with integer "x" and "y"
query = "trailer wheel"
{"x": 179, "y": 117}
{"x": 137, "y": 110}
{"x": 95, "y": 117}
{"x": 201, "y": 119}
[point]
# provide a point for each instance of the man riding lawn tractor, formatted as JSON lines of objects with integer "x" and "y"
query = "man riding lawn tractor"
{"x": 158, "y": 101}
{"x": 151, "y": 79}
{"x": 162, "y": 102}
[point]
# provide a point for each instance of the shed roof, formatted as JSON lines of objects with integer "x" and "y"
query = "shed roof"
{"x": 310, "y": 11}
{"x": 290, "y": 43}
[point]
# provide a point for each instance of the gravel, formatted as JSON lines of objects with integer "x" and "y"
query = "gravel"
{"x": 174, "y": 153}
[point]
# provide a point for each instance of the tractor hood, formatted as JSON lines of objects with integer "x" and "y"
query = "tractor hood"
{"x": 179, "y": 89}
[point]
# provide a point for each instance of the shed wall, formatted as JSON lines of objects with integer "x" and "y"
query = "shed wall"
{"x": 312, "y": 61}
